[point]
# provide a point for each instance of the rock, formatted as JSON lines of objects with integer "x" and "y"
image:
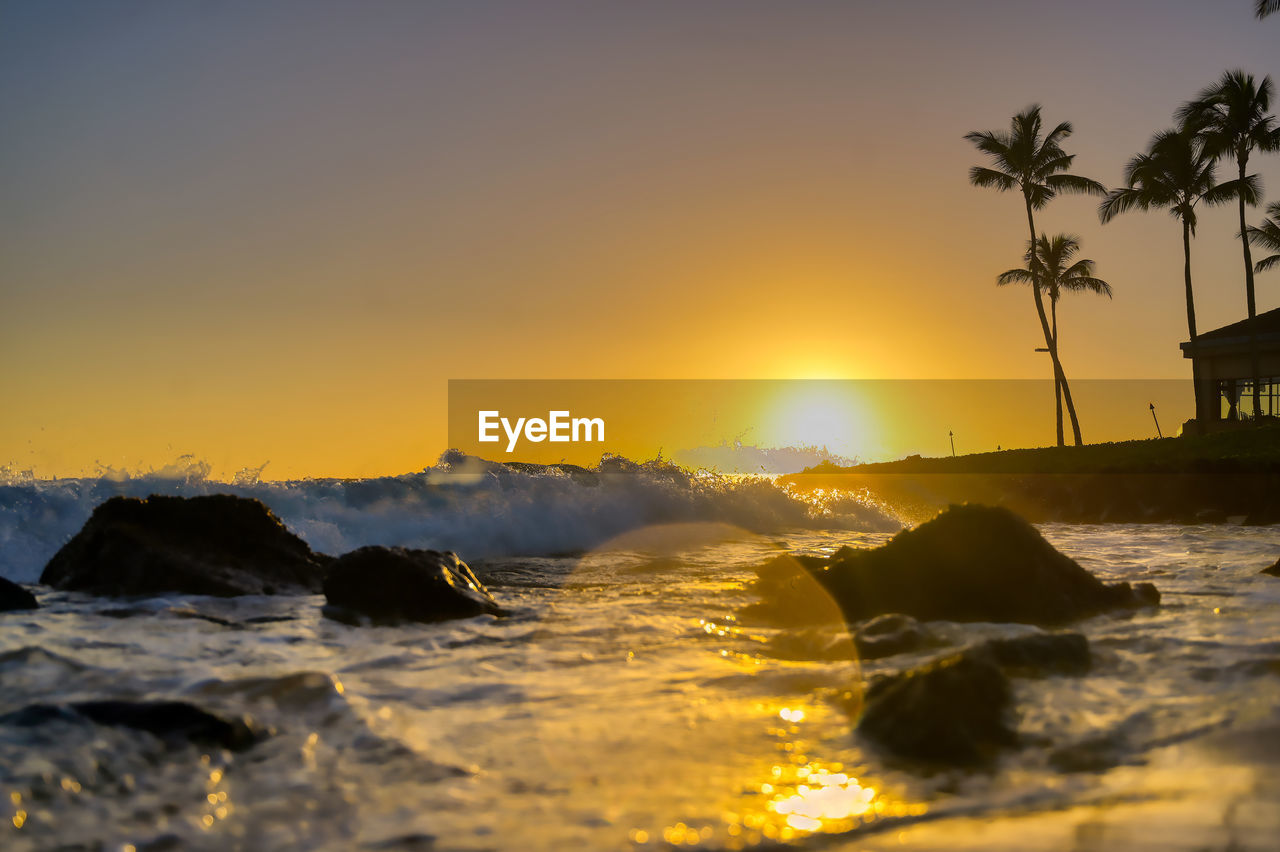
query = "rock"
{"x": 972, "y": 563}
{"x": 790, "y": 594}
{"x": 953, "y": 712}
{"x": 1039, "y": 654}
{"x": 1274, "y": 570}
{"x": 887, "y": 635}
{"x": 14, "y": 597}
{"x": 175, "y": 722}
{"x": 392, "y": 584}
{"x": 815, "y": 643}
{"x": 216, "y": 545}
{"x": 1094, "y": 754}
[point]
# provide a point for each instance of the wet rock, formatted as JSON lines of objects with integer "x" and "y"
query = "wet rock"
{"x": 215, "y": 545}
{"x": 790, "y": 596}
{"x": 14, "y": 597}
{"x": 972, "y": 563}
{"x": 887, "y": 635}
{"x": 1039, "y": 654}
{"x": 811, "y": 644}
{"x": 392, "y": 584}
{"x": 1274, "y": 570}
{"x": 953, "y": 712}
{"x": 175, "y": 722}
{"x": 1094, "y": 754}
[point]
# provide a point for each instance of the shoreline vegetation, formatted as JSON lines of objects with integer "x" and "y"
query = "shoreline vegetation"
{"x": 1231, "y": 477}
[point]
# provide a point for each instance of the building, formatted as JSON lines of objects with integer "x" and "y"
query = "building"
{"x": 1222, "y": 364}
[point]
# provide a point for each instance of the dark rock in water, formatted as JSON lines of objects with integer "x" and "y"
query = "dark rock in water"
{"x": 1039, "y": 654}
{"x": 1095, "y": 754}
{"x": 953, "y": 712}
{"x": 790, "y": 596}
{"x": 14, "y": 597}
{"x": 215, "y": 545}
{"x": 972, "y": 563}
{"x": 391, "y": 584}
{"x": 175, "y": 722}
{"x": 1274, "y": 570}
{"x": 812, "y": 644}
{"x": 887, "y": 635}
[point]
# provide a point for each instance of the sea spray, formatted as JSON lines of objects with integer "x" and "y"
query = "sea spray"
{"x": 475, "y": 507}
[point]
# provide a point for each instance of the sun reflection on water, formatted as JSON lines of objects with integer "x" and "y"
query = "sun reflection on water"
{"x": 796, "y": 796}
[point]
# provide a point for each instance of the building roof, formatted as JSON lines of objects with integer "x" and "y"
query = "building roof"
{"x": 1265, "y": 326}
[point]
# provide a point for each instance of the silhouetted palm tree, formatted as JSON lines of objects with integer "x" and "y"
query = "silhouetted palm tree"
{"x": 1059, "y": 273}
{"x": 1232, "y": 117}
{"x": 1176, "y": 173}
{"x": 1036, "y": 166}
{"x": 1266, "y": 7}
{"x": 1267, "y": 236}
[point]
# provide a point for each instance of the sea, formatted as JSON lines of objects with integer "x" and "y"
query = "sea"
{"x": 625, "y": 701}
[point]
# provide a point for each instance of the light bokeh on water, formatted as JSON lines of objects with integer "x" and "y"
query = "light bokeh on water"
{"x": 624, "y": 704}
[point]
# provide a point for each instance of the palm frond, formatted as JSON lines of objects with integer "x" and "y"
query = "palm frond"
{"x": 1266, "y": 263}
{"x": 1267, "y": 235}
{"x": 1122, "y": 201}
{"x": 1266, "y": 7}
{"x": 1079, "y": 283}
{"x": 1015, "y": 276}
{"x": 984, "y": 177}
{"x": 1075, "y": 184}
{"x": 1250, "y": 188}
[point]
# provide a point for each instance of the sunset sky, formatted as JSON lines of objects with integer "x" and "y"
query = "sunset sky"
{"x": 274, "y": 231}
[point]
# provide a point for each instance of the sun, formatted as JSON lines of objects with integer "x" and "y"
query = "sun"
{"x": 827, "y": 414}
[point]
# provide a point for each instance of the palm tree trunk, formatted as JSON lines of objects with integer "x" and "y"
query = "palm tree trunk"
{"x": 1244, "y": 241}
{"x": 1057, "y": 385}
{"x": 1243, "y": 160}
{"x": 1058, "y": 375}
{"x": 1201, "y": 404}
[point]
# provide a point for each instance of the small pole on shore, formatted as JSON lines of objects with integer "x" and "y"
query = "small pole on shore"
{"x": 952, "y": 436}
{"x": 1152, "y": 406}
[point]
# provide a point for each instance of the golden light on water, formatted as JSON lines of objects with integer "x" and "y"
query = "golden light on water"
{"x": 794, "y": 797}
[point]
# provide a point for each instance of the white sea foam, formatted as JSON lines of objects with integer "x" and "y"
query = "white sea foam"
{"x": 469, "y": 505}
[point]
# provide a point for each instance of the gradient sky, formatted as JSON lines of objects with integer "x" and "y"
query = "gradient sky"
{"x": 273, "y": 231}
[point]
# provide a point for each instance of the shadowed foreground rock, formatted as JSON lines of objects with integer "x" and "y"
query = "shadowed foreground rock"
{"x": 216, "y": 545}
{"x": 888, "y": 635}
{"x": 956, "y": 710}
{"x": 971, "y": 563}
{"x": 14, "y": 597}
{"x": 392, "y": 584}
{"x": 174, "y": 722}
{"x": 953, "y": 712}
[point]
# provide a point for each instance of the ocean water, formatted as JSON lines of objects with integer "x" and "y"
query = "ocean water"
{"x": 625, "y": 702}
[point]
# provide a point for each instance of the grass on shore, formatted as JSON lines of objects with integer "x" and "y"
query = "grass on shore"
{"x": 1244, "y": 450}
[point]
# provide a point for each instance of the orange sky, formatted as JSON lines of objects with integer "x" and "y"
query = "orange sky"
{"x": 260, "y": 232}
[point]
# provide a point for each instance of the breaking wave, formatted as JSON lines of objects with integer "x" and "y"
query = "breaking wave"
{"x": 478, "y": 508}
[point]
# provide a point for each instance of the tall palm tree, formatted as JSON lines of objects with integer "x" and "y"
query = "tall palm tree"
{"x": 1059, "y": 273}
{"x": 1175, "y": 173}
{"x": 1036, "y": 166}
{"x": 1232, "y": 116}
{"x": 1266, "y": 7}
{"x": 1267, "y": 235}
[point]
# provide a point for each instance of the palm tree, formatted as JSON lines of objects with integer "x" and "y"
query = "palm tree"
{"x": 1059, "y": 273}
{"x": 1232, "y": 117}
{"x": 1266, "y": 7}
{"x": 1175, "y": 173}
{"x": 1036, "y": 166}
{"x": 1267, "y": 235}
